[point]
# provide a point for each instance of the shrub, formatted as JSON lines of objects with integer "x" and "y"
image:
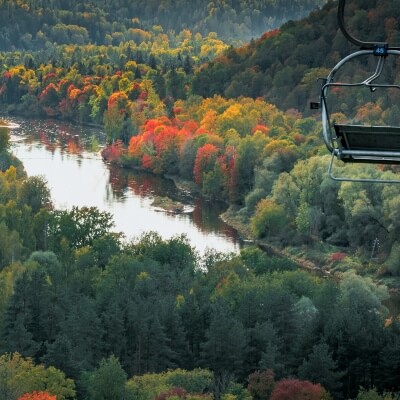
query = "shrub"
{"x": 295, "y": 389}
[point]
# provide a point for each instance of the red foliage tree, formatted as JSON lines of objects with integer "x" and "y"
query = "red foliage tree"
{"x": 51, "y": 77}
{"x": 159, "y": 144}
{"x": 204, "y": 162}
{"x": 227, "y": 162}
{"x": 38, "y": 396}
{"x": 268, "y": 35}
{"x": 295, "y": 389}
{"x": 147, "y": 162}
{"x": 190, "y": 126}
{"x": 338, "y": 256}
{"x": 49, "y": 100}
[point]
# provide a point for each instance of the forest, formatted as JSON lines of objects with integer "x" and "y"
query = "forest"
{"x": 33, "y": 24}
{"x": 84, "y": 314}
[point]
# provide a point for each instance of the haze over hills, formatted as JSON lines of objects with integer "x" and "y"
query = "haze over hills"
{"x": 283, "y": 66}
{"x": 28, "y": 24}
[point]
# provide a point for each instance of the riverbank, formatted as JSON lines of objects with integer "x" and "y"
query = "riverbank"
{"x": 76, "y": 179}
{"x": 317, "y": 257}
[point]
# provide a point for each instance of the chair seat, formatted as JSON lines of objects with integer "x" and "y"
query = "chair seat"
{"x": 368, "y": 144}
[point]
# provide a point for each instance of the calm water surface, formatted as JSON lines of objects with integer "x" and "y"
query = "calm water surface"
{"x": 77, "y": 176}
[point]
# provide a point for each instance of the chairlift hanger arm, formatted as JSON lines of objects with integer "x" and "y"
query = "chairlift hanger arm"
{"x": 360, "y": 43}
{"x": 366, "y": 82}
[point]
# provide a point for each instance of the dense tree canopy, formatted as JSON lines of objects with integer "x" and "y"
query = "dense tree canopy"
{"x": 29, "y": 24}
{"x": 114, "y": 318}
{"x": 86, "y": 315}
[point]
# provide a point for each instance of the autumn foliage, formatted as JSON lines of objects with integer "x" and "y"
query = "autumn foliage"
{"x": 261, "y": 384}
{"x": 205, "y": 159}
{"x": 114, "y": 151}
{"x": 174, "y": 393}
{"x": 38, "y": 396}
{"x": 159, "y": 145}
{"x": 294, "y": 389}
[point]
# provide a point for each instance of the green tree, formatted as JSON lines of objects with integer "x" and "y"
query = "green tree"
{"x": 35, "y": 193}
{"x": 78, "y": 226}
{"x": 393, "y": 261}
{"x": 363, "y": 213}
{"x": 373, "y": 394}
{"x": 195, "y": 381}
{"x": 10, "y": 245}
{"x": 20, "y": 375}
{"x": 19, "y": 320}
{"x": 355, "y": 331}
{"x": 248, "y": 153}
{"x": 321, "y": 368}
{"x": 214, "y": 183}
{"x": 80, "y": 331}
{"x": 268, "y": 218}
{"x": 108, "y": 381}
{"x": 175, "y": 84}
{"x": 147, "y": 386}
{"x": 4, "y": 138}
{"x": 113, "y": 120}
{"x": 224, "y": 348}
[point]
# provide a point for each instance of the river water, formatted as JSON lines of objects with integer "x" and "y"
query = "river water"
{"x": 65, "y": 156}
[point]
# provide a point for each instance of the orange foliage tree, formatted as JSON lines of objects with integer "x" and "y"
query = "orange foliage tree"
{"x": 38, "y": 396}
{"x": 369, "y": 113}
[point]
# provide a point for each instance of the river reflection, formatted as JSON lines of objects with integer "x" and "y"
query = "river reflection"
{"x": 78, "y": 177}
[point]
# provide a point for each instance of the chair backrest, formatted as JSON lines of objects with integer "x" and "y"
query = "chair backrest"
{"x": 374, "y": 144}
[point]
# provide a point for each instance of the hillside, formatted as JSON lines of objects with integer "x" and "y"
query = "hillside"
{"x": 283, "y": 65}
{"x": 29, "y": 24}
{"x": 86, "y": 314}
{"x": 232, "y": 142}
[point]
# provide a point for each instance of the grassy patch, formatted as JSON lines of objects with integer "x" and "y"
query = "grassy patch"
{"x": 238, "y": 221}
{"x": 168, "y": 204}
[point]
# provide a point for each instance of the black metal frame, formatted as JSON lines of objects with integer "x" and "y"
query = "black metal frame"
{"x": 359, "y": 43}
{"x": 336, "y": 140}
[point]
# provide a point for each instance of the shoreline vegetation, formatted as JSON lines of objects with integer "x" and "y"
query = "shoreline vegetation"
{"x": 303, "y": 308}
{"x": 248, "y": 139}
{"x": 320, "y": 264}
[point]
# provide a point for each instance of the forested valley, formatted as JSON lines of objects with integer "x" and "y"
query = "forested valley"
{"x": 30, "y": 24}
{"x": 85, "y": 314}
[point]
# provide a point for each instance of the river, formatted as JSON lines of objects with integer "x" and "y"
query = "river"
{"x": 65, "y": 155}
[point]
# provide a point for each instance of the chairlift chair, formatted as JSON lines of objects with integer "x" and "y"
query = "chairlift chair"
{"x": 360, "y": 143}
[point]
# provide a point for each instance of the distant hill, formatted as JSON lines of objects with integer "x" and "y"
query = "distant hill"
{"x": 283, "y": 65}
{"x": 28, "y": 24}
